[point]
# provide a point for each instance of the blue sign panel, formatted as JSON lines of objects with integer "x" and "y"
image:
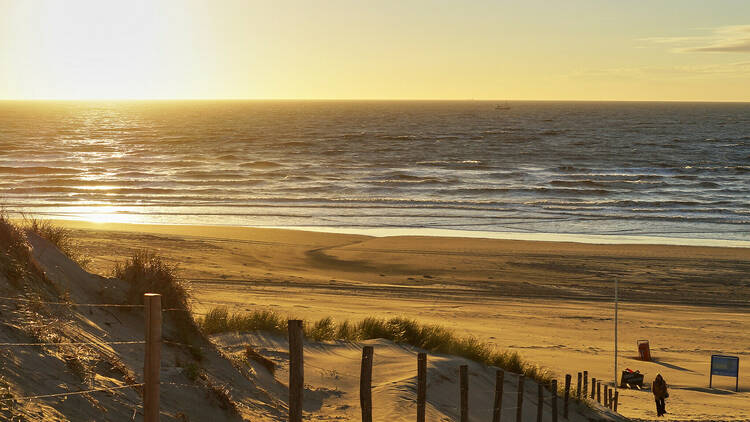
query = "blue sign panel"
{"x": 728, "y": 366}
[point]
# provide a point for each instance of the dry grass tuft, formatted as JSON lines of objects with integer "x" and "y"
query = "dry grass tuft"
{"x": 59, "y": 236}
{"x": 147, "y": 272}
{"x": 14, "y": 249}
{"x": 222, "y": 394}
{"x": 219, "y": 320}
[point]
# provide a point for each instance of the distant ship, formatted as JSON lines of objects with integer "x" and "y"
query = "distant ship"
{"x": 502, "y": 106}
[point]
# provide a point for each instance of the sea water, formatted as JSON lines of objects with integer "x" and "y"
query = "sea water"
{"x": 678, "y": 170}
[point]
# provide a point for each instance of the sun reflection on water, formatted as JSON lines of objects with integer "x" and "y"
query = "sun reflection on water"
{"x": 100, "y": 214}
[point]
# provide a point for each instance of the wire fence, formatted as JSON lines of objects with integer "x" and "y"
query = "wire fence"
{"x": 10, "y": 345}
{"x": 70, "y": 393}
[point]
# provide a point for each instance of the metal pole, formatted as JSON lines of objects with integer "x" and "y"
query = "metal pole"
{"x": 616, "y": 300}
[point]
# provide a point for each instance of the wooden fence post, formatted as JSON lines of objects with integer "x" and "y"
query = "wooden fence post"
{"x": 296, "y": 370}
{"x": 598, "y": 391}
{"x": 152, "y": 361}
{"x": 554, "y": 401}
{"x": 567, "y": 395}
{"x": 464, "y": 381}
{"x": 540, "y": 403}
{"x": 593, "y": 388}
{"x": 497, "y": 407}
{"x": 519, "y": 403}
{"x": 606, "y": 403}
{"x": 585, "y": 384}
{"x": 579, "y": 386}
{"x": 610, "y": 397}
{"x": 421, "y": 386}
{"x": 365, "y": 384}
{"x": 617, "y": 398}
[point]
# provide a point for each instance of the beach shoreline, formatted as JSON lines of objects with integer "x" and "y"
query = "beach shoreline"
{"x": 609, "y": 239}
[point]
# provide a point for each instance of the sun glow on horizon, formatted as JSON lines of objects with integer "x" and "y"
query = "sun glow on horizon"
{"x": 101, "y": 50}
{"x": 338, "y": 50}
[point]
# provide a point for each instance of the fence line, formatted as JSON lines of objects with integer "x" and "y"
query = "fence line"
{"x": 92, "y": 305}
{"x": 71, "y": 393}
{"x": 152, "y": 363}
{"x": 71, "y": 343}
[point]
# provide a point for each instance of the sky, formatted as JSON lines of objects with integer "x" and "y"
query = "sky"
{"x": 409, "y": 49}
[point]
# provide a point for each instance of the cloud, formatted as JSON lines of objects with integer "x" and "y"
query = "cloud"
{"x": 742, "y": 46}
{"x": 725, "y": 39}
{"x": 725, "y": 70}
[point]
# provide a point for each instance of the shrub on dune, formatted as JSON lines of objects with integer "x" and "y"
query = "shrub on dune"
{"x": 147, "y": 272}
{"x": 14, "y": 250}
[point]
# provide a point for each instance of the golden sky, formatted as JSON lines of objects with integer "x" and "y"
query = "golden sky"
{"x": 408, "y": 49}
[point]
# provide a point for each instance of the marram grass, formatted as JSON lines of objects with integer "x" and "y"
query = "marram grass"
{"x": 433, "y": 338}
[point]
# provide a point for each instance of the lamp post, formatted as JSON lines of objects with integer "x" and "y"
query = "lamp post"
{"x": 616, "y": 300}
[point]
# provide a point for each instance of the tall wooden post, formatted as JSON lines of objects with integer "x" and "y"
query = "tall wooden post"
{"x": 554, "y": 400}
{"x": 519, "y": 403}
{"x": 464, "y": 380}
{"x": 497, "y": 407}
{"x": 598, "y": 391}
{"x": 579, "y": 386}
{"x": 296, "y": 370}
{"x": 585, "y": 384}
{"x": 617, "y": 398}
{"x": 540, "y": 403}
{"x": 567, "y": 395}
{"x": 606, "y": 387}
{"x": 610, "y": 396}
{"x": 421, "y": 386}
{"x": 365, "y": 384}
{"x": 152, "y": 361}
{"x": 593, "y": 388}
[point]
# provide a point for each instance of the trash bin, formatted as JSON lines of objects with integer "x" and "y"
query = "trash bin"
{"x": 644, "y": 351}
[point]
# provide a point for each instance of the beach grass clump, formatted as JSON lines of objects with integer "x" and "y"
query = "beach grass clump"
{"x": 322, "y": 330}
{"x": 14, "y": 249}
{"x": 220, "y": 320}
{"x": 147, "y": 272}
{"x": 59, "y": 236}
{"x": 430, "y": 337}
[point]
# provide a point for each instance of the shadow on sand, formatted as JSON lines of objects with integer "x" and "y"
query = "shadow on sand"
{"x": 670, "y": 366}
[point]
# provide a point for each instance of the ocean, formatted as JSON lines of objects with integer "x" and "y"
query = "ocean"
{"x": 679, "y": 170}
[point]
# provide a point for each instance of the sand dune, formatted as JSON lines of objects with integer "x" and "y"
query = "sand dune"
{"x": 550, "y": 301}
{"x": 226, "y": 388}
{"x": 332, "y": 374}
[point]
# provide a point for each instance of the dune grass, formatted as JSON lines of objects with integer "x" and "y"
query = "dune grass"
{"x": 14, "y": 249}
{"x": 147, "y": 272}
{"x": 433, "y": 338}
{"x": 59, "y": 236}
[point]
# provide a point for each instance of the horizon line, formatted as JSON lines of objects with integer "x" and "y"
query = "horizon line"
{"x": 104, "y": 99}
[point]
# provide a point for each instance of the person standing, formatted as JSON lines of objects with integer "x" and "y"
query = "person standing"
{"x": 659, "y": 388}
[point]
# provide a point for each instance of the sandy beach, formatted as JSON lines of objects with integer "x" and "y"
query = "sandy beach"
{"x": 550, "y": 301}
